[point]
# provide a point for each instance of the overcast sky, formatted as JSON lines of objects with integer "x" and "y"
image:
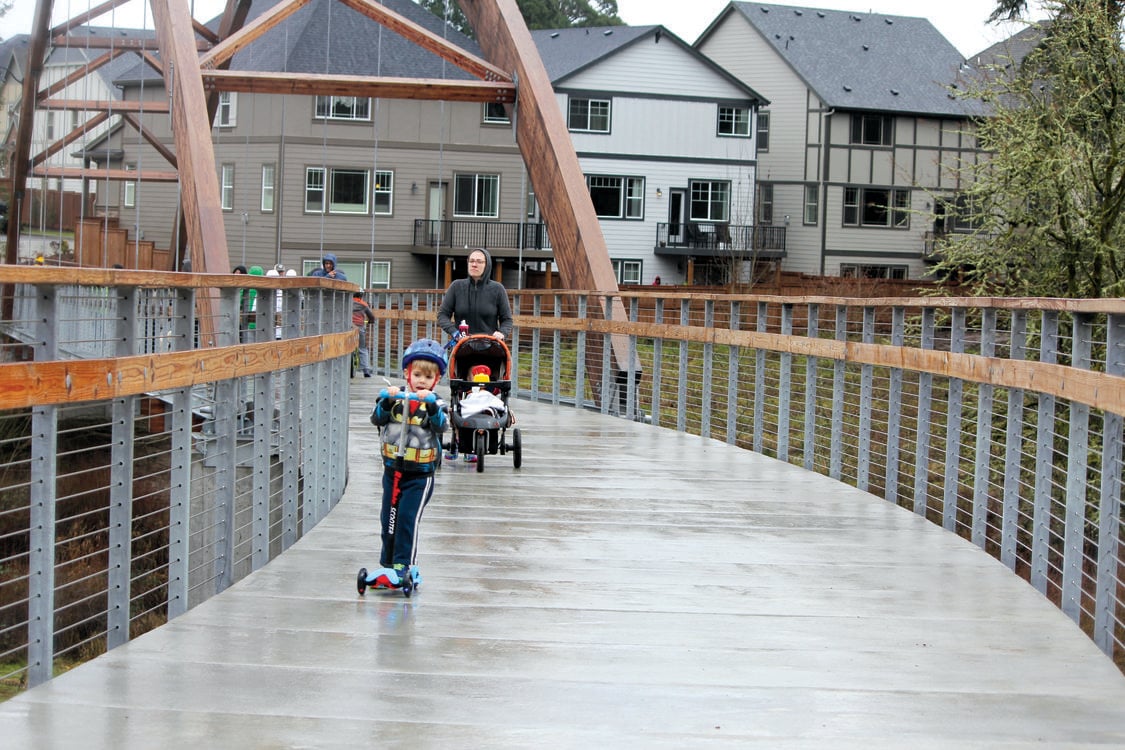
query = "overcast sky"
{"x": 962, "y": 22}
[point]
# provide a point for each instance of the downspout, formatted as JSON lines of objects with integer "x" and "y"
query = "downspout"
{"x": 822, "y": 187}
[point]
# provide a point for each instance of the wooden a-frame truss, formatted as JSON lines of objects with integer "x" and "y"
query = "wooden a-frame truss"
{"x": 194, "y": 62}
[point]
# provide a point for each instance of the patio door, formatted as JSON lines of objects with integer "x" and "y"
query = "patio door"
{"x": 438, "y": 230}
{"x": 677, "y": 216}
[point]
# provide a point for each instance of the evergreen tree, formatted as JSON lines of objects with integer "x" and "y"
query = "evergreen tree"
{"x": 1047, "y": 203}
{"x": 537, "y": 14}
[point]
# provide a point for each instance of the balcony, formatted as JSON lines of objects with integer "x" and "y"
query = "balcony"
{"x": 714, "y": 238}
{"x": 493, "y": 235}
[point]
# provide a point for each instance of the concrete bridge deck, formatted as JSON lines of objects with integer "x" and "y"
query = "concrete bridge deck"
{"x": 630, "y": 586}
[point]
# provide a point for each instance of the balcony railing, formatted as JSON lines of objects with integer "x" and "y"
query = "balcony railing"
{"x": 720, "y": 238}
{"x": 490, "y": 234}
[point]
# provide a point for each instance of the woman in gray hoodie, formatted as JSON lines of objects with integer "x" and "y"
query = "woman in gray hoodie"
{"x": 477, "y": 300}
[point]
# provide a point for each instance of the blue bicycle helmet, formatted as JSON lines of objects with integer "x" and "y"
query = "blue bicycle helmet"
{"x": 427, "y": 349}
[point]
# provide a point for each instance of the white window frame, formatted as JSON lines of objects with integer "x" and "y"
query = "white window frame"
{"x": 129, "y": 189}
{"x": 765, "y": 202}
{"x": 494, "y": 113}
{"x": 50, "y": 125}
{"x": 382, "y": 193}
{"x": 589, "y": 115}
{"x": 628, "y": 271}
{"x": 763, "y": 129}
{"x": 325, "y": 185}
{"x": 380, "y": 275}
{"x": 345, "y": 108}
{"x": 226, "y": 187}
{"x": 895, "y": 202}
{"x": 712, "y": 193}
{"x": 874, "y": 271}
{"x": 227, "y": 116}
{"x": 811, "y": 213}
{"x": 734, "y": 122}
{"x": 484, "y": 197}
{"x": 630, "y": 195}
{"x": 269, "y": 177}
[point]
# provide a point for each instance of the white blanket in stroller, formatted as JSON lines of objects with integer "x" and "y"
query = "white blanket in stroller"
{"x": 479, "y": 402}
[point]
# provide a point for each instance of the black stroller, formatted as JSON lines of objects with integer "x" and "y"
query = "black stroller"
{"x": 480, "y": 371}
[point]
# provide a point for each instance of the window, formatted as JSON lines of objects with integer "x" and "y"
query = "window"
{"x": 50, "y": 126}
{"x": 346, "y": 188}
{"x": 872, "y": 130}
{"x": 734, "y": 121}
{"x": 871, "y": 271}
{"x": 314, "y": 190}
{"x": 710, "y": 200}
{"x": 476, "y": 195}
{"x": 617, "y": 197}
{"x": 495, "y": 114}
{"x": 228, "y": 110}
{"x": 226, "y": 187}
{"x": 129, "y": 196}
{"x": 343, "y": 108}
{"x": 627, "y": 271}
{"x": 267, "y": 187}
{"x": 588, "y": 115}
{"x": 384, "y": 192}
{"x": 812, "y": 205}
{"x": 355, "y": 269}
{"x": 765, "y": 203}
{"x": 763, "y": 131}
{"x": 876, "y": 207}
{"x": 74, "y": 119}
{"x": 958, "y": 214}
{"x": 380, "y": 275}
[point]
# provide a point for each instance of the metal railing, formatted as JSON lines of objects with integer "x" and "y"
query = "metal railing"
{"x": 475, "y": 233}
{"x": 139, "y": 474}
{"x": 720, "y": 238}
{"x": 1002, "y": 421}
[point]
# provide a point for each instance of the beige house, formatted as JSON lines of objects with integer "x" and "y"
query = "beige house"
{"x": 855, "y": 147}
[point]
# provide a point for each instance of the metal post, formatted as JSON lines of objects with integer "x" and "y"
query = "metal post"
{"x": 925, "y": 408}
{"x": 894, "y": 410}
{"x": 1044, "y": 460}
{"x": 580, "y": 358}
{"x": 812, "y": 327}
{"x": 681, "y": 386}
{"x": 556, "y": 354}
{"x": 733, "y": 368}
{"x": 836, "y": 449}
{"x": 536, "y": 349}
{"x": 760, "y": 380}
{"x": 1077, "y": 464}
{"x": 953, "y": 426}
{"x": 981, "y": 464}
{"x": 44, "y": 468}
{"x": 706, "y": 387}
{"x": 179, "y": 475}
{"x": 1013, "y": 442}
{"x": 1109, "y": 512}
{"x": 866, "y": 387}
{"x": 121, "y": 481}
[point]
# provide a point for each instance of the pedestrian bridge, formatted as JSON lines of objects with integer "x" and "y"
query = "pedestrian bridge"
{"x": 923, "y": 546}
{"x": 628, "y": 586}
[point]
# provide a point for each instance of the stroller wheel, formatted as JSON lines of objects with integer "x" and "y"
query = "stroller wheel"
{"x": 517, "y": 448}
{"x": 481, "y": 448}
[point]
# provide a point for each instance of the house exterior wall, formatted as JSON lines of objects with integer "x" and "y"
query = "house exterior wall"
{"x": 418, "y": 142}
{"x": 664, "y": 129}
{"x": 809, "y": 148}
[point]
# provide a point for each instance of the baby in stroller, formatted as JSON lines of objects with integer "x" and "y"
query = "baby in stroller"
{"x": 479, "y": 386}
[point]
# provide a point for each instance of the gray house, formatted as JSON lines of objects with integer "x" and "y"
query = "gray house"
{"x": 666, "y": 140}
{"x": 396, "y": 189}
{"x": 855, "y": 150}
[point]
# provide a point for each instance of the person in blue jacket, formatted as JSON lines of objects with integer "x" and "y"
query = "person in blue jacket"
{"x": 411, "y": 454}
{"x": 328, "y": 269}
